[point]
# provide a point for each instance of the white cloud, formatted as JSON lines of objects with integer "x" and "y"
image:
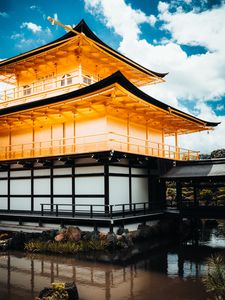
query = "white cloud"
{"x": 24, "y": 42}
{"x": 120, "y": 16}
{"x": 199, "y": 77}
{"x": 205, "y": 28}
{"x": 4, "y": 14}
{"x": 163, "y": 6}
{"x": 32, "y": 26}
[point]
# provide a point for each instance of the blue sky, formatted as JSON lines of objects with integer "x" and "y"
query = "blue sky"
{"x": 184, "y": 37}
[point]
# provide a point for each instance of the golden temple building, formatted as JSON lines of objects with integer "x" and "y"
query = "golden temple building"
{"x": 77, "y": 133}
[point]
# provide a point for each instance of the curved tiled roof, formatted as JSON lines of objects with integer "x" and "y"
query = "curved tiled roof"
{"x": 81, "y": 27}
{"x": 118, "y": 78}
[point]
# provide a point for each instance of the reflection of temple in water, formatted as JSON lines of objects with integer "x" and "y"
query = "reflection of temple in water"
{"x": 24, "y": 276}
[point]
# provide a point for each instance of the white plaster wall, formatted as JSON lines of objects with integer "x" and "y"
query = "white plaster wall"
{"x": 139, "y": 171}
{"x": 3, "y": 174}
{"x": 20, "y": 203}
{"x": 89, "y": 185}
{"x": 88, "y": 170}
{"x": 20, "y": 187}
{"x": 93, "y": 201}
{"x": 42, "y": 172}
{"x": 39, "y": 201}
{"x": 62, "y": 171}
{"x": 139, "y": 190}
{"x": 41, "y": 186}
{"x": 20, "y": 173}
{"x": 3, "y": 187}
{"x": 118, "y": 191}
{"x": 62, "y": 186}
{"x": 3, "y": 203}
{"x": 118, "y": 169}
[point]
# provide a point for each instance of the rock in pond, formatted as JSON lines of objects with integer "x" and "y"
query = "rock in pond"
{"x": 60, "y": 291}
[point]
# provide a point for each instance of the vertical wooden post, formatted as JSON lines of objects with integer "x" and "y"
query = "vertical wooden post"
{"x": 130, "y": 188}
{"x": 51, "y": 136}
{"x": 10, "y": 141}
{"x": 51, "y": 188}
{"x": 73, "y": 191}
{"x": 8, "y": 191}
{"x": 32, "y": 190}
{"x": 128, "y": 133}
{"x": 106, "y": 186}
{"x": 176, "y": 146}
{"x": 163, "y": 143}
{"x": 74, "y": 132}
{"x": 146, "y": 138}
{"x": 80, "y": 74}
{"x": 33, "y": 139}
{"x": 64, "y": 138}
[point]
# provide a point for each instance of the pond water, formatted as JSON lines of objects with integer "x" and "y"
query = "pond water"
{"x": 170, "y": 273}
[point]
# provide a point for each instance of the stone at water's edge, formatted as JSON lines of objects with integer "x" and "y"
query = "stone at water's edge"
{"x": 70, "y": 287}
{"x": 73, "y": 234}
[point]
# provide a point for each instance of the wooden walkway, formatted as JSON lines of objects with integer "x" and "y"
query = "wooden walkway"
{"x": 79, "y": 220}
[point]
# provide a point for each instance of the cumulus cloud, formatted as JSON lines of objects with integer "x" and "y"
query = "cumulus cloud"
{"x": 120, "y": 16}
{"x": 198, "y": 78}
{"x": 25, "y": 42}
{"x": 31, "y": 26}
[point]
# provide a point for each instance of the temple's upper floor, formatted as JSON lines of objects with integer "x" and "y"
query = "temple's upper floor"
{"x": 75, "y": 60}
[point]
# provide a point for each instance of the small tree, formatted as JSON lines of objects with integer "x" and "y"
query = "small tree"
{"x": 219, "y": 153}
{"x": 215, "y": 279}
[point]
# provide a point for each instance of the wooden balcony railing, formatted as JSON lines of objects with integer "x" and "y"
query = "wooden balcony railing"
{"x": 44, "y": 89}
{"x": 96, "y": 143}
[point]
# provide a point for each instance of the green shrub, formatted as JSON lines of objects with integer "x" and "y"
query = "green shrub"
{"x": 67, "y": 247}
{"x": 215, "y": 279}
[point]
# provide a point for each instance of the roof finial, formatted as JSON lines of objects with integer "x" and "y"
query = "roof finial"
{"x": 68, "y": 28}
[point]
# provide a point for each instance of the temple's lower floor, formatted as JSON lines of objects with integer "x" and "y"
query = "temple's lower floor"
{"x": 95, "y": 183}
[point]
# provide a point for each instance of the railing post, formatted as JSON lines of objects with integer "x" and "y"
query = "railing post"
{"x": 134, "y": 209}
{"x": 111, "y": 211}
{"x": 123, "y": 209}
{"x": 91, "y": 211}
{"x": 57, "y": 210}
{"x": 42, "y": 209}
{"x": 73, "y": 210}
{"x": 144, "y": 208}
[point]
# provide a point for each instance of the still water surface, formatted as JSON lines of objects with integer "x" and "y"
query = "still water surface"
{"x": 166, "y": 274}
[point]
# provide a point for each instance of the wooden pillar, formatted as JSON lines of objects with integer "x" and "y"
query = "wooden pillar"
{"x": 8, "y": 191}
{"x": 80, "y": 74}
{"x": 163, "y": 142}
{"x": 73, "y": 191}
{"x": 51, "y": 189}
{"x": 51, "y": 136}
{"x": 128, "y": 133}
{"x": 146, "y": 139}
{"x": 32, "y": 190}
{"x": 64, "y": 138}
{"x": 33, "y": 139}
{"x": 106, "y": 185}
{"x": 130, "y": 188}
{"x": 177, "y": 156}
{"x": 10, "y": 142}
{"x": 74, "y": 132}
